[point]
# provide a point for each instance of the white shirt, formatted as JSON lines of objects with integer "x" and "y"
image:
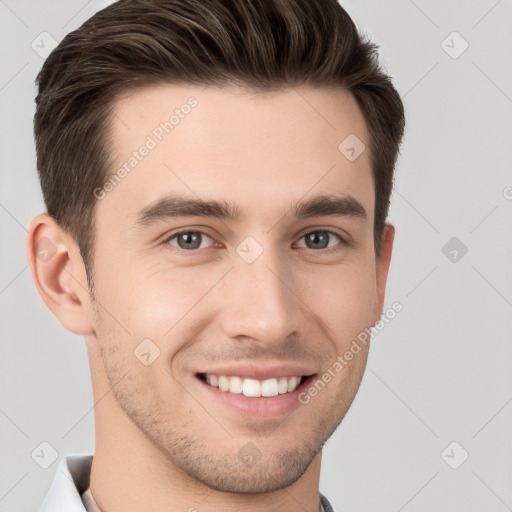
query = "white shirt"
{"x": 69, "y": 491}
{"x": 70, "y": 481}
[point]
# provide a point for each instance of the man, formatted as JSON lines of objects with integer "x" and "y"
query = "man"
{"x": 217, "y": 177}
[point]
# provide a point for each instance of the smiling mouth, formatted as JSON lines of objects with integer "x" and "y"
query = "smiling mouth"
{"x": 254, "y": 387}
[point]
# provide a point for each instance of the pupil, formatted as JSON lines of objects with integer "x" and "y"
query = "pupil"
{"x": 318, "y": 238}
{"x": 190, "y": 240}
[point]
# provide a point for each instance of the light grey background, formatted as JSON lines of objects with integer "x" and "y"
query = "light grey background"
{"x": 438, "y": 373}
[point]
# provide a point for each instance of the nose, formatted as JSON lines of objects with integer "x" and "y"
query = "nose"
{"x": 261, "y": 305}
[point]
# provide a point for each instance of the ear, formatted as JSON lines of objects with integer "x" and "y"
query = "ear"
{"x": 59, "y": 274}
{"x": 382, "y": 267}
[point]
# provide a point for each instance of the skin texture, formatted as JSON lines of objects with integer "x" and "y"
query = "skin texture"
{"x": 160, "y": 438}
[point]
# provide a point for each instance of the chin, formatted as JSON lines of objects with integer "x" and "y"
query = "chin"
{"x": 268, "y": 474}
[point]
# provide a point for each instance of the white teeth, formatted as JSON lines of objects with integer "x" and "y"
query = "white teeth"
{"x": 293, "y": 382}
{"x": 224, "y": 383}
{"x": 282, "y": 387}
{"x": 254, "y": 387}
{"x": 269, "y": 387}
{"x": 236, "y": 385}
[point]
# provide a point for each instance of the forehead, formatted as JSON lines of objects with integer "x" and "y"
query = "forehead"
{"x": 261, "y": 150}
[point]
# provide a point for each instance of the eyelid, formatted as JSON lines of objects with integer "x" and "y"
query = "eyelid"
{"x": 340, "y": 232}
{"x": 169, "y": 237}
{"x": 343, "y": 240}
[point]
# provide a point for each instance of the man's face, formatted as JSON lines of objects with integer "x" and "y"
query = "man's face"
{"x": 268, "y": 295}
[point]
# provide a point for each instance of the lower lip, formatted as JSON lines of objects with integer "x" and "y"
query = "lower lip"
{"x": 265, "y": 407}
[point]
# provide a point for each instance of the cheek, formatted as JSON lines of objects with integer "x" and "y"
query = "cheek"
{"x": 343, "y": 298}
{"x": 151, "y": 301}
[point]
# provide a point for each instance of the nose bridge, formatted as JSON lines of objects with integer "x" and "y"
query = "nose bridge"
{"x": 260, "y": 304}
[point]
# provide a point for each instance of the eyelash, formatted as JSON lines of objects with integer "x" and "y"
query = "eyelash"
{"x": 342, "y": 242}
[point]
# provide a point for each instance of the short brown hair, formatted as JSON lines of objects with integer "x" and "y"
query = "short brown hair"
{"x": 263, "y": 45}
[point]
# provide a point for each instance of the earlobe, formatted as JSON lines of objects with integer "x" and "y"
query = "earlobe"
{"x": 382, "y": 268}
{"x": 59, "y": 274}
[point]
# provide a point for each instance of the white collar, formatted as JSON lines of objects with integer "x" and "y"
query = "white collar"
{"x": 70, "y": 481}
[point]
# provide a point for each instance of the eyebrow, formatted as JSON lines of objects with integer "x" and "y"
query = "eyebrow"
{"x": 172, "y": 205}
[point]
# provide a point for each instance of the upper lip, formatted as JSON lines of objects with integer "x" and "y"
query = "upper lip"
{"x": 260, "y": 371}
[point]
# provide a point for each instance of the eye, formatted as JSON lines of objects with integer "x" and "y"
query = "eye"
{"x": 188, "y": 240}
{"x": 321, "y": 239}
{"x": 192, "y": 240}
